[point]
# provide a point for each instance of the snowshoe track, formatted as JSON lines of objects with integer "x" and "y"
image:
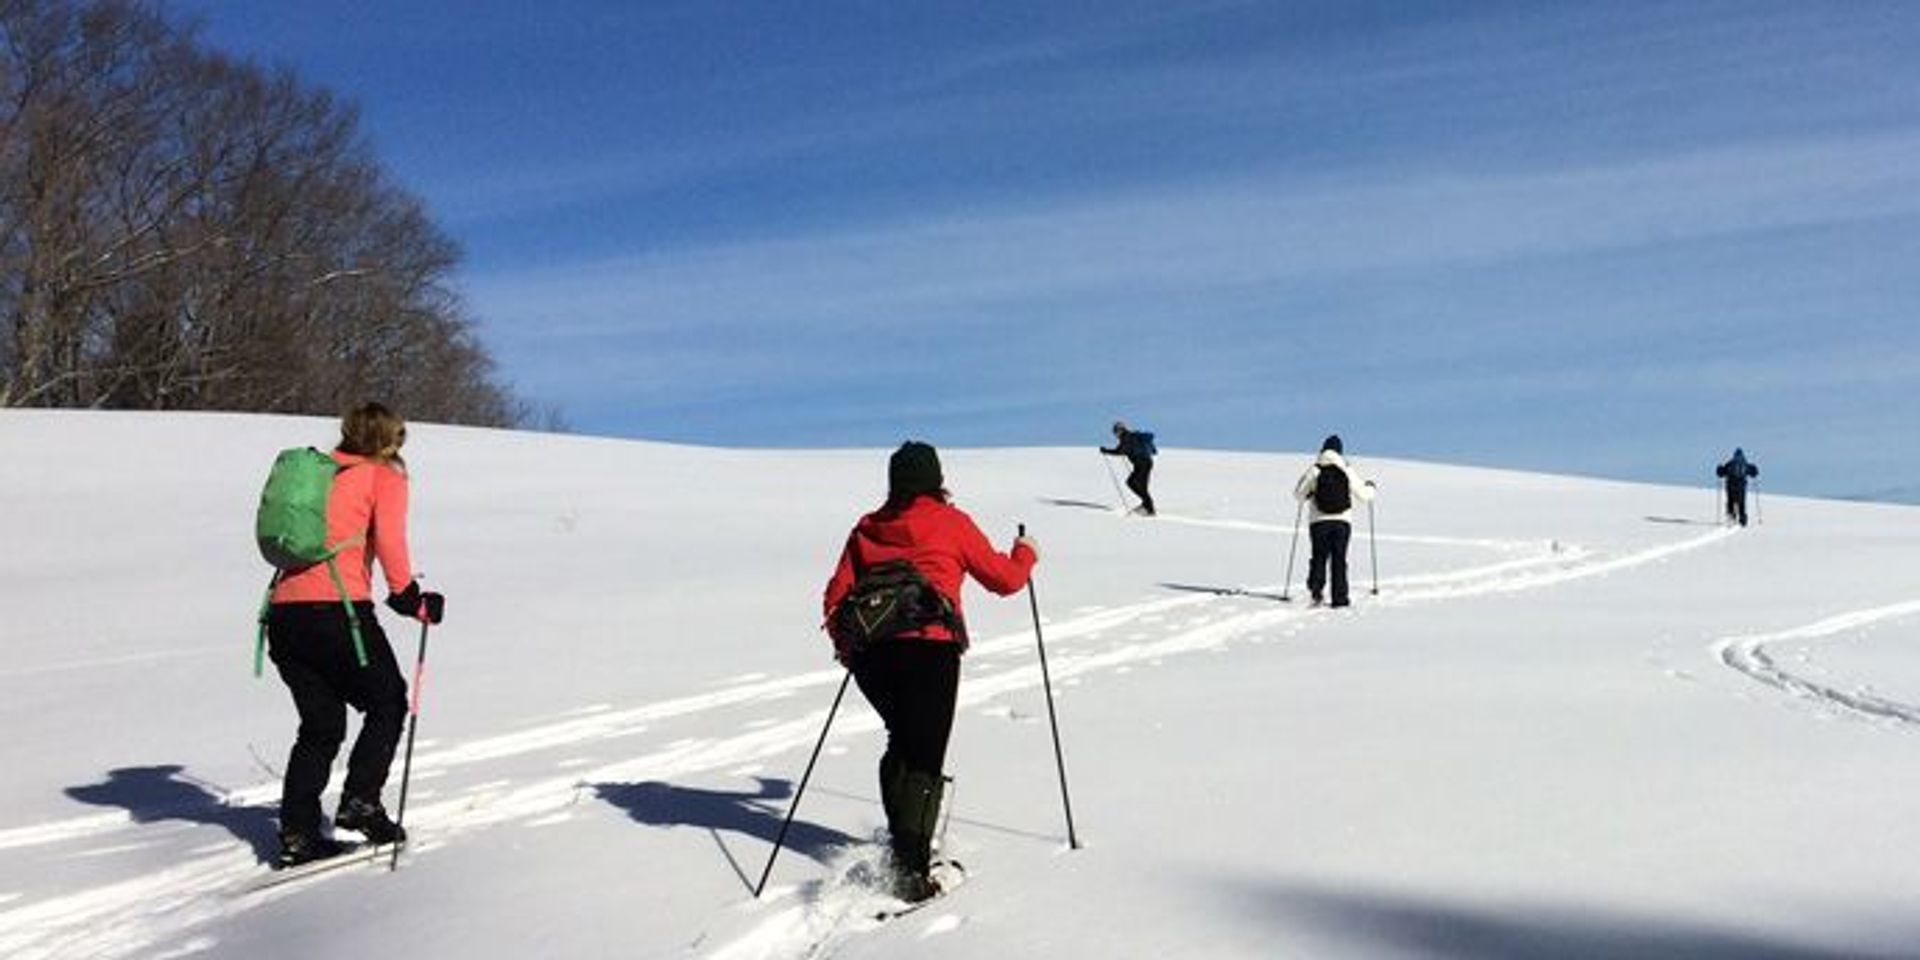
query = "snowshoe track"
{"x": 1748, "y": 655}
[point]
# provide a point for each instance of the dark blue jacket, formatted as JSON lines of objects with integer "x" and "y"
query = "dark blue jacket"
{"x": 1134, "y": 445}
{"x": 1737, "y": 471}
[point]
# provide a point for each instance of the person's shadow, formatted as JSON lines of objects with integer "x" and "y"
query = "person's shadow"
{"x": 666, "y": 805}
{"x": 159, "y": 793}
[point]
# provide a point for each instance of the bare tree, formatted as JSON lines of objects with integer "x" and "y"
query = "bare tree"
{"x": 182, "y": 231}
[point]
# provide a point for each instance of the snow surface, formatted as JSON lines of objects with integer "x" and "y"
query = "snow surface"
{"x": 1580, "y": 718}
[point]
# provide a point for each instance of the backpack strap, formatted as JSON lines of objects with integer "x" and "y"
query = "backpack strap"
{"x": 353, "y": 619}
{"x": 333, "y": 569}
{"x": 266, "y": 604}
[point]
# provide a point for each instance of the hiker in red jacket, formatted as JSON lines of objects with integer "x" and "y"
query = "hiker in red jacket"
{"x": 313, "y": 649}
{"x": 912, "y": 677}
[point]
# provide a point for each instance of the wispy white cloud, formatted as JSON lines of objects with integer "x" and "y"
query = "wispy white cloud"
{"x": 1203, "y": 240}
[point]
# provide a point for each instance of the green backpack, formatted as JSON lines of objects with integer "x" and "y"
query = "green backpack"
{"x": 291, "y": 530}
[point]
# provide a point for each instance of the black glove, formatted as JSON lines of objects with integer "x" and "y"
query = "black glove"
{"x": 414, "y": 604}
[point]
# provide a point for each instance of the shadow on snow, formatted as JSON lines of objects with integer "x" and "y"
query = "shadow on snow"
{"x": 1226, "y": 591}
{"x": 1083, "y": 504}
{"x": 659, "y": 804}
{"x": 159, "y": 793}
{"x": 1434, "y": 928}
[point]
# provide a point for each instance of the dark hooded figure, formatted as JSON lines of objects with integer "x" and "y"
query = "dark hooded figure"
{"x": 1137, "y": 446}
{"x": 1735, "y": 473}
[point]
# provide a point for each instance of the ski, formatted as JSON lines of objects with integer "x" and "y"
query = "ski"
{"x": 949, "y": 873}
{"x": 358, "y": 855}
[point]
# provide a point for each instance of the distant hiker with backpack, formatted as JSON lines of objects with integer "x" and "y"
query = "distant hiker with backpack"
{"x": 1137, "y": 446}
{"x": 893, "y": 613}
{"x": 1328, "y": 490}
{"x": 324, "y": 519}
{"x": 1735, "y": 473}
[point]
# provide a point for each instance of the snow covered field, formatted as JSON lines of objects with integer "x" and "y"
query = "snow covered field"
{"x": 1580, "y": 718}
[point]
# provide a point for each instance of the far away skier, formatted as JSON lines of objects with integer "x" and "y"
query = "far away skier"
{"x": 1137, "y": 446}
{"x": 1736, "y": 472}
{"x": 1327, "y": 488}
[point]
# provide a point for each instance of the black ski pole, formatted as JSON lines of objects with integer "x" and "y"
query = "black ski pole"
{"x": 1373, "y": 550}
{"x": 1116, "y": 482}
{"x": 1759, "y": 512}
{"x": 1286, "y": 585}
{"x": 1046, "y": 683}
{"x": 781, "y": 840}
{"x": 413, "y": 724}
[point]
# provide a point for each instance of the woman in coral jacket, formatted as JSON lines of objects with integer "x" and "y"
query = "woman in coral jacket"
{"x": 313, "y": 647}
{"x": 913, "y": 679}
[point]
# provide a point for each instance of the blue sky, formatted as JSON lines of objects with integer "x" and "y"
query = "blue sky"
{"x": 1613, "y": 239}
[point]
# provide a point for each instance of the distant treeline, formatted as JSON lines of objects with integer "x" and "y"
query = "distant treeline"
{"x": 182, "y": 231}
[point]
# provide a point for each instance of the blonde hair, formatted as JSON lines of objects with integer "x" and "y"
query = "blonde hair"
{"x": 372, "y": 430}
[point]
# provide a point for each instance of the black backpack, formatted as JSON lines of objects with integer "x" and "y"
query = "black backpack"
{"x": 1330, "y": 492}
{"x": 889, "y": 600}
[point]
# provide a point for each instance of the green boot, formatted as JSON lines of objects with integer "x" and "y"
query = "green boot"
{"x": 918, "y": 808}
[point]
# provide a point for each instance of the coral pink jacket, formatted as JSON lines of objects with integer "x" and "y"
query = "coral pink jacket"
{"x": 369, "y": 498}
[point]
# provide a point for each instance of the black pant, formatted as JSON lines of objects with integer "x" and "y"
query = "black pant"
{"x": 313, "y": 650}
{"x": 1137, "y": 481}
{"x": 912, "y": 685}
{"x": 1329, "y": 551}
{"x": 1737, "y": 502}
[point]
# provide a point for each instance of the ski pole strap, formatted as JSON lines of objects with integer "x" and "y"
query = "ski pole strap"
{"x": 353, "y": 617}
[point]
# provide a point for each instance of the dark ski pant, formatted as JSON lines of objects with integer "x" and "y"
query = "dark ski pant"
{"x": 913, "y": 685}
{"x": 1737, "y": 502}
{"x": 313, "y": 650}
{"x": 1329, "y": 539}
{"x": 1137, "y": 481}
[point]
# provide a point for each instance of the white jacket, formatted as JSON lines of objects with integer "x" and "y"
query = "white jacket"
{"x": 1303, "y": 491}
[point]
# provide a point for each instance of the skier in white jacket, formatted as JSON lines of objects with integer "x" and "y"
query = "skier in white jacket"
{"x": 1328, "y": 489}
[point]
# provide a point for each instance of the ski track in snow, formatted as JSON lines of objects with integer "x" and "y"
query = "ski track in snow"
{"x": 1261, "y": 526}
{"x": 1748, "y": 655}
{"x": 134, "y": 915}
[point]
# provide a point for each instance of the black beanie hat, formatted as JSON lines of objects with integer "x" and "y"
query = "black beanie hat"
{"x": 913, "y": 469}
{"x": 1332, "y": 443}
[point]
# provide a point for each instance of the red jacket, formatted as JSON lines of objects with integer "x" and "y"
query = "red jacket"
{"x": 942, "y": 543}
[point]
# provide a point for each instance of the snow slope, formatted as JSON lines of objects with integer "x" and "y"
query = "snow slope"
{"x": 1579, "y": 719}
